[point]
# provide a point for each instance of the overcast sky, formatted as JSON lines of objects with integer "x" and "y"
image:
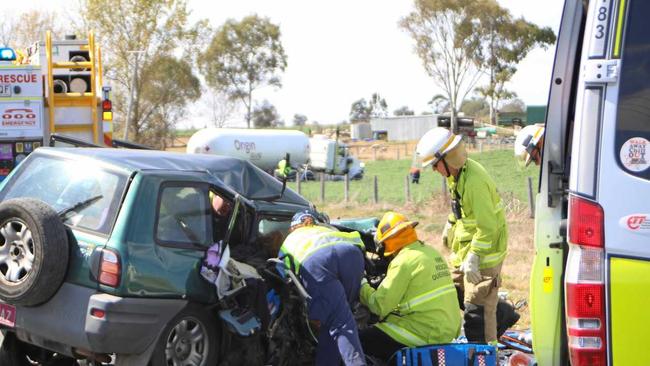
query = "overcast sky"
{"x": 342, "y": 50}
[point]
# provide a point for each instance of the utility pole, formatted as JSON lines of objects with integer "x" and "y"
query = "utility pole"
{"x": 134, "y": 80}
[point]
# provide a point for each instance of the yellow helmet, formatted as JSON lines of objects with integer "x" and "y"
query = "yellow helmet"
{"x": 395, "y": 231}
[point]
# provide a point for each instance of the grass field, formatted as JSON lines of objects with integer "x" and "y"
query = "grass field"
{"x": 511, "y": 181}
{"x": 430, "y": 208}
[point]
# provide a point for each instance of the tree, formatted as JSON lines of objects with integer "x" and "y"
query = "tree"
{"x": 137, "y": 35}
{"x": 265, "y": 115}
{"x": 299, "y": 120}
{"x": 220, "y": 108}
{"x": 242, "y": 57}
{"x": 378, "y": 106}
{"x": 475, "y": 107}
{"x": 435, "y": 27}
{"x": 513, "y": 106}
{"x": 363, "y": 110}
{"x": 168, "y": 85}
{"x": 360, "y": 110}
{"x": 500, "y": 42}
{"x": 439, "y": 104}
{"x": 21, "y": 30}
{"x": 403, "y": 111}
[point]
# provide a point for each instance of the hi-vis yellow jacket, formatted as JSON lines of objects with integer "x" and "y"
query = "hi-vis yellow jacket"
{"x": 417, "y": 300}
{"x": 304, "y": 242}
{"x": 482, "y": 228}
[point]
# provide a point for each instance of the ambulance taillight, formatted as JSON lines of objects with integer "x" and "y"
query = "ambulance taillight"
{"x": 585, "y": 285}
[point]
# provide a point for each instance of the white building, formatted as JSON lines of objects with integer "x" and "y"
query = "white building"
{"x": 404, "y": 128}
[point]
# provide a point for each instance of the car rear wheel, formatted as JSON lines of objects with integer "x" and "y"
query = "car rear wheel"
{"x": 33, "y": 252}
{"x": 190, "y": 339}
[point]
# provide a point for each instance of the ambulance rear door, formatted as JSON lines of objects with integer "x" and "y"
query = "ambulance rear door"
{"x": 624, "y": 188}
{"x": 546, "y": 289}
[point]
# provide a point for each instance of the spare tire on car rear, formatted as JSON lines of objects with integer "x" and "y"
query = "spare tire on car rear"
{"x": 33, "y": 252}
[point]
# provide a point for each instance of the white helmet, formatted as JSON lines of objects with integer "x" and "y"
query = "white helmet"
{"x": 435, "y": 144}
{"x": 526, "y": 142}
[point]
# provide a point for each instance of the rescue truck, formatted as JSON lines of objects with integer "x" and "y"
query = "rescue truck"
{"x": 589, "y": 284}
{"x": 51, "y": 88}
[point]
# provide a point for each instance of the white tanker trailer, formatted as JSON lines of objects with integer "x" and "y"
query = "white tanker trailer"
{"x": 265, "y": 148}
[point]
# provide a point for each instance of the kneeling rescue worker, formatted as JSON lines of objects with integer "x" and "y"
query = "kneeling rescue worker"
{"x": 476, "y": 229}
{"x": 330, "y": 265}
{"x": 416, "y": 302}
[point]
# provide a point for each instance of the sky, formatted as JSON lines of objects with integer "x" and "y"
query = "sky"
{"x": 340, "y": 51}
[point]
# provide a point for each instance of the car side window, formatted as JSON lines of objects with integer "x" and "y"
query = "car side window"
{"x": 183, "y": 216}
{"x": 271, "y": 232}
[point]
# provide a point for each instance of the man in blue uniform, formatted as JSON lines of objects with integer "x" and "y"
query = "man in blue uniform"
{"x": 330, "y": 266}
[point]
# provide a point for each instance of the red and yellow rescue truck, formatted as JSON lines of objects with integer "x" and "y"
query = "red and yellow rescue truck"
{"x": 52, "y": 87}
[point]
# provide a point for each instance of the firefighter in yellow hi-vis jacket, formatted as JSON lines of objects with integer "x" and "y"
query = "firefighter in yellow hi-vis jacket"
{"x": 476, "y": 229}
{"x": 416, "y": 301}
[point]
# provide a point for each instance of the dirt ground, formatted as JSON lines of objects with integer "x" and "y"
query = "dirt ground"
{"x": 432, "y": 216}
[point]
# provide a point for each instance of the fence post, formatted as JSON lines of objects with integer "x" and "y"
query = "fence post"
{"x": 445, "y": 191}
{"x": 407, "y": 188}
{"x": 298, "y": 187}
{"x": 480, "y": 147}
{"x": 346, "y": 190}
{"x": 375, "y": 192}
{"x": 397, "y": 149}
{"x": 374, "y": 153}
{"x": 531, "y": 199}
{"x": 322, "y": 187}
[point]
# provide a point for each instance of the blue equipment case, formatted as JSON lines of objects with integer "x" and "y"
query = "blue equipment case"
{"x": 454, "y": 354}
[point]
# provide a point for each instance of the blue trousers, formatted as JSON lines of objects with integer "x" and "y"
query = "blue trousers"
{"x": 332, "y": 277}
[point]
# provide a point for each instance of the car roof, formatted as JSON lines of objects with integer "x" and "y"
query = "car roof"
{"x": 240, "y": 175}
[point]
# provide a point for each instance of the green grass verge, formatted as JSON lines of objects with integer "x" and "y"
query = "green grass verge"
{"x": 391, "y": 174}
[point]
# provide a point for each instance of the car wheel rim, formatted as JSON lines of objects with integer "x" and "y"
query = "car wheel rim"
{"x": 16, "y": 251}
{"x": 187, "y": 344}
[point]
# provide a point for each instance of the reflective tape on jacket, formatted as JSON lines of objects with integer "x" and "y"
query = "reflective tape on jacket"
{"x": 492, "y": 260}
{"x": 305, "y": 242}
{"x": 401, "y": 335}
{"x": 480, "y": 244}
{"x": 420, "y": 300}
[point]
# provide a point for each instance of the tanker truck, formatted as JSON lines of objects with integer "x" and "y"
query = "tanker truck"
{"x": 265, "y": 148}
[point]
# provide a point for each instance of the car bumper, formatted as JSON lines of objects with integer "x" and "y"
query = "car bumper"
{"x": 64, "y": 324}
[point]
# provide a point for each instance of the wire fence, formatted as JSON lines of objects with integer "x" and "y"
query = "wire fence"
{"x": 371, "y": 191}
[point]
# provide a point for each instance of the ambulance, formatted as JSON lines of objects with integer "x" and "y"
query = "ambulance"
{"x": 590, "y": 282}
{"x": 51, "y": 88}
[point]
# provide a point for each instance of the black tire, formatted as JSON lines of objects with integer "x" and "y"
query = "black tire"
{"x": 170, "y": 343}
{"x": 16, "y": 353}
{"x": 46, "y": 253}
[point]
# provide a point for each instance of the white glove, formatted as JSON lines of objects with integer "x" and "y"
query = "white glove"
{"x": 470, "y": 268}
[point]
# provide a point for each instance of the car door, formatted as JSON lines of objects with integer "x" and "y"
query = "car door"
{"x": 169, "y": 229}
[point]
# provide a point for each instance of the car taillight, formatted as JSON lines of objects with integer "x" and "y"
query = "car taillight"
{"x": 585, "y": 286}
{"x": 109, "y": 268}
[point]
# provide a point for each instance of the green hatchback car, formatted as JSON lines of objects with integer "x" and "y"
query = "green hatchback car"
{"x": 100, "y": 252}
